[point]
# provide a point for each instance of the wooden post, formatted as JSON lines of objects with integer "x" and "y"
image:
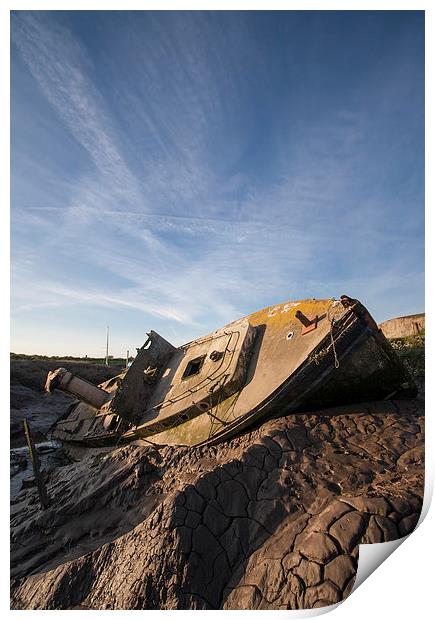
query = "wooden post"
{"x": 42, "y": 491}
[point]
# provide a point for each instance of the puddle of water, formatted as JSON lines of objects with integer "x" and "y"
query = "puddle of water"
{"x": 18, "y": 474}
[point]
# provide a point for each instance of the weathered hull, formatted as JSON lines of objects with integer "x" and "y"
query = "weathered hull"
{"x": 282, "y": 367}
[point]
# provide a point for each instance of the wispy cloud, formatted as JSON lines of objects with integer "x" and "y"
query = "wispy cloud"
{"x": 181, "y": 206}
{"x": 56, "y": 61}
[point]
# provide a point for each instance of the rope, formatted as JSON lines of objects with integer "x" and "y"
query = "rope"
{"x": 331, "y": 323}
{"x": 336, "y": 362}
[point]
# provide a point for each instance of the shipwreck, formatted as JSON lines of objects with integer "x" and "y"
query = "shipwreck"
{"x": 292, "y": 357}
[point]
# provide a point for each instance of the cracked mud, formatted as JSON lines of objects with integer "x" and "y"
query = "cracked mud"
{"x": 271, "y": 520}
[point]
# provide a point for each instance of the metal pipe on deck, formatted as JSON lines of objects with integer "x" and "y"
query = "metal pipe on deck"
{"x": 64, "y": 380}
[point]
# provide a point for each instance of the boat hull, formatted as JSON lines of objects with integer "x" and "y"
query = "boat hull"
{"x": 297, "y": 362}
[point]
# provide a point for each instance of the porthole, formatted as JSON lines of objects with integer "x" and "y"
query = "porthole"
{"x": 193, "y": 367}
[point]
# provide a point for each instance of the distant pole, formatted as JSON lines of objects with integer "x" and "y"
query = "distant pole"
{"x": 107, "y": 346}
{"x": 126, "y": 359}
{"x": 40, "y": 484}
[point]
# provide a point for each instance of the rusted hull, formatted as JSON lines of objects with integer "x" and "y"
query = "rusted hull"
{"x": 291, "y": 357}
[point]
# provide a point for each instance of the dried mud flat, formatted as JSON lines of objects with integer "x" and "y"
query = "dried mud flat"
{"x": 270, "y": 520}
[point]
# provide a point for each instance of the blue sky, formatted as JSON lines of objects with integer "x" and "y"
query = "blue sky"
{"x": 177, "y": 170}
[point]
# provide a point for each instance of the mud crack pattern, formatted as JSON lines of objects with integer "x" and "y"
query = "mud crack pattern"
{"x": 270, "y": 520}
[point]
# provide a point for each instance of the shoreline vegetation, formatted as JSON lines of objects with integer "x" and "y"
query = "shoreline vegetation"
{"x": 112, "y": 361}
{"x": 410, "y": 350}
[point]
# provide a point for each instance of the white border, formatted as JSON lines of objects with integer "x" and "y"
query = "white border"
{"x": 403, "y": 583}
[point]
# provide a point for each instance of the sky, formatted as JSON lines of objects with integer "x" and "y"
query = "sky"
{"x": 175, "y": 171}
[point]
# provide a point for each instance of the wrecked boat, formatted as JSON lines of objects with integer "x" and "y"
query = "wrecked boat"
{"x": 292, "y": 357}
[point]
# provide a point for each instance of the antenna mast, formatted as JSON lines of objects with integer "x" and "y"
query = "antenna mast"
{"x": 107, "y": 346}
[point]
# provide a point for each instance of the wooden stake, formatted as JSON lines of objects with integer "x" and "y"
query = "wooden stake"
{"x": 42, "y": 491}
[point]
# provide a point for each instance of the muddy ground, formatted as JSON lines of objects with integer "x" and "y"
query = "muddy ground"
{"x": 270, "y": 520}
{"x": 28, "y": 399}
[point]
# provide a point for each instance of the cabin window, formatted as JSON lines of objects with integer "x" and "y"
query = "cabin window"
{"x": 193, "y": 367}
